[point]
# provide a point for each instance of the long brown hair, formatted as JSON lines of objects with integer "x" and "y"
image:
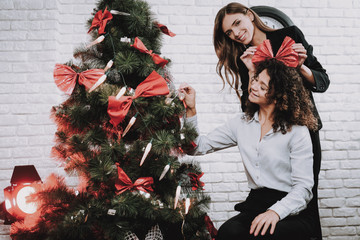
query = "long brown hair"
{"x": 292, "y": 101}
{"x": 229, "y": 51}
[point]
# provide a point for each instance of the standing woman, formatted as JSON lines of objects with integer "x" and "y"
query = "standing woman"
{"x": 238, "y": 31}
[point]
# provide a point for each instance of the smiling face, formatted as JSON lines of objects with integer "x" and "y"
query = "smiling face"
{"x": 239, "y": 27}
{"x": 259, "y": 88}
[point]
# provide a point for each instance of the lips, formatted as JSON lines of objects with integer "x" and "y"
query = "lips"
{"x": 241, "y": 38}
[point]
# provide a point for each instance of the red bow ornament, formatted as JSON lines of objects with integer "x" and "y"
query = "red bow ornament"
{"x": 65, "y": 78}
{"x": 153, "y": 85}
{"x": 210, "y": 227}
{"x": 165, "y": 30}
{"x": 195, "y": 181}
{"x": 285, "y": 54}
{"x": 100, "y": 20}
{"x": 124, "y": 183}
{"x": 139, "y": 45}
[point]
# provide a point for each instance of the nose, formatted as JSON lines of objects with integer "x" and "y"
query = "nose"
{"x": 254, "y": 86}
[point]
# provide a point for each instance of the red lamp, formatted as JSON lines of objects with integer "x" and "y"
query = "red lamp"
{"x": 16, "y": 205}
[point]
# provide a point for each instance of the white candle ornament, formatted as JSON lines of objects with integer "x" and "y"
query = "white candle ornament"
{"x": 116, "y": 12}
{"x": 177, "y": 195}
{"x": 187, "y": 205}
{"x": 96, "y": 41}
{"x": 131, "y": 122}
{"x": 108, "y": 65}
{"x": 98, "y": 83}
{"x": 121, "y": 93}
{"x": 166, "y": 169}
{"x": 147, "y": 150}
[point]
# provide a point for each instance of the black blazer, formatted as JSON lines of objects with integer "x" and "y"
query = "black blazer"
{"x": 276, "y": 38}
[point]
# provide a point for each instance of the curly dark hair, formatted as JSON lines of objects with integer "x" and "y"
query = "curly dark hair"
{"x": 292, "y": 100}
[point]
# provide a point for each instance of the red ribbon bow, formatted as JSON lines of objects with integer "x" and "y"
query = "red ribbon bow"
{"x": 139, "y": 45}
{"x": 286, "y": 54}
{"x": 124, "y": 183}
{"x": 65, "y": 77}
{"x": 195, "y": 180}
{"x": 100, "y": 20}
{"x": 210, "y": 227}
{"x": 153, "y": 85}
{"x": 165, "y": 30}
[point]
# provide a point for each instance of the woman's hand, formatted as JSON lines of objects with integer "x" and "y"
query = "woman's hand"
{"x": 263, "y": 221}
{"x": 301, "y": 51}
{"x": 190, "y": 95}
{"x": 247, "y": 56}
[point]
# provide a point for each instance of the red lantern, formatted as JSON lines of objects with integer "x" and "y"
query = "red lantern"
{"x": 16, "y": 205}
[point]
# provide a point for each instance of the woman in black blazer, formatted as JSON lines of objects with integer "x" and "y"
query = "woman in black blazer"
{"x": 238, "y": 30}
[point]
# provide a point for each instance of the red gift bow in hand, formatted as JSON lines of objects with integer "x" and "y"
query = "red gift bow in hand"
{"x": 100, "y": 20}
{"x": 285, "y": 54}
{"x": 165, "y": 30}
{"x": 65, "y": 78}
{"x": 195, "y": 180}
{"x": 153, "y": 85}
{"x": 124, "y": 183}
{"x": 139, "y": 45}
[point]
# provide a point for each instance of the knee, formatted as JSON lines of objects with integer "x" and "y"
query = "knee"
{"x": 232, "y": 231}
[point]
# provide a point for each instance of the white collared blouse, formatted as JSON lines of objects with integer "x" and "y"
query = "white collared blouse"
{"x": 278, "y": 161}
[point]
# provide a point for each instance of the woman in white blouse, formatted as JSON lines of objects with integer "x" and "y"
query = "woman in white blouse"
{"x": 275, "y": 146}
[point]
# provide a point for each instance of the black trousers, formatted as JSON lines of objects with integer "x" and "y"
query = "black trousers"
{"x": 297, "y": 227}
{"x": 304, "y": 226}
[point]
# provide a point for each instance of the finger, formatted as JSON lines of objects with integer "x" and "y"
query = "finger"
{"x": 265, "y": 228}
{"x": 254, "y": 224}
{"x": 258, "y": 227}
{"x": 272, "y": 229}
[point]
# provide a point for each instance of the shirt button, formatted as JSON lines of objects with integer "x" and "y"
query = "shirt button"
{"x": 257, "y": 164}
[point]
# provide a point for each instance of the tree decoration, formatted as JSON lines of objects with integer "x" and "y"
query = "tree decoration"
{"x": 177, "y": 195}
{"x": 100, "y": 20}
{"x": 165, "y": 30}
{"x": 65, "y": 78}
{"x": 98, "y": 82}
{"x": 153, "y": 85}
{"x": 124, "y": 183}
{"x": 146, "y": 152}
{"x": 195, "y": 181}
{"x": 96, "y": 41}
{"x": 139, "y": 45}
{"x": 121, "y": 93}
{"x": 108, "y": 65}
{"x": 98, "y": 143}
{"x": 163, "y": 173}
{"x": 131, "y": 122}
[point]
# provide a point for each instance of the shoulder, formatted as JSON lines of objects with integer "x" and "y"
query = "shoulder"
{"x": 300, "y": 133}
{"x": 293, "y": 31}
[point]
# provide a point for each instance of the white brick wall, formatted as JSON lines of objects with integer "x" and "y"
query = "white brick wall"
{"x": 36, "y": 34}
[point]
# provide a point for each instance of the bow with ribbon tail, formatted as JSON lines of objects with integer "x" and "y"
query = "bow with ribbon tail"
{"x": 100, "y": 20}
{"x": 124, "y": 183}
{"x": 153, "y": 85}
{"x": 165, "y": 30}
{"x": 139, "y": 45}
{"x": 285, "y": 54}
{"x": 65, "y": 78}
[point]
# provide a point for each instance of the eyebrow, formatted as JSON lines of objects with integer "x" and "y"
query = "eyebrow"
{"x": 231, "y": 25}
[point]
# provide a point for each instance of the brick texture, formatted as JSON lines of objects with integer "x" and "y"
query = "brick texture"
{"x": 36, "y": 34}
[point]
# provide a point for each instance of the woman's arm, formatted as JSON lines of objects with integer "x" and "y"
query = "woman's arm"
{"x": 301, "y": 159}
{"x": 309, "y": 66}
{"x": 220, "y": 138}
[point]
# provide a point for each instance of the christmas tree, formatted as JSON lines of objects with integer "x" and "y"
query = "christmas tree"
{"x": 120, "y": 132}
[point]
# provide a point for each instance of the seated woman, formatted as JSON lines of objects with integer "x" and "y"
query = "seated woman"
{"x": 275, "y": 146}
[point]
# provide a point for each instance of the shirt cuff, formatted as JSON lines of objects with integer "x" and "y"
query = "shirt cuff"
{"x": 281, "y": 210}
